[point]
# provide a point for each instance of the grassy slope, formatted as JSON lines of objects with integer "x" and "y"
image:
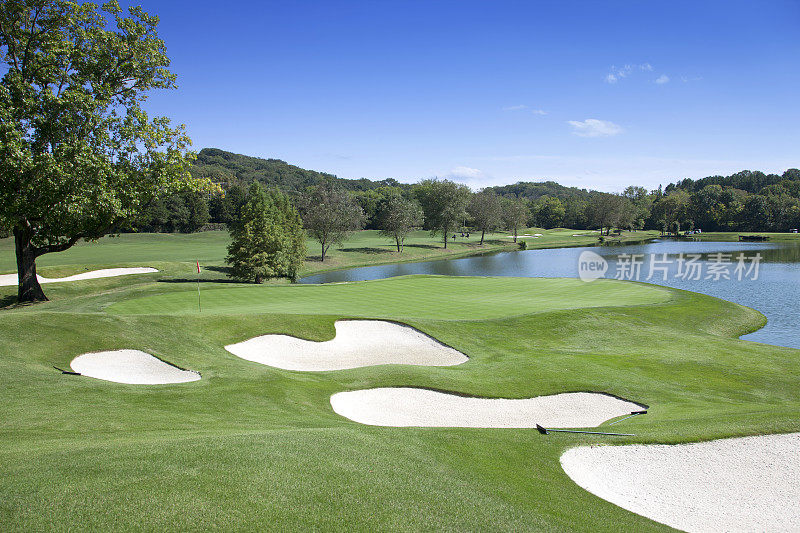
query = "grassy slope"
{"x": 250, "y": 447}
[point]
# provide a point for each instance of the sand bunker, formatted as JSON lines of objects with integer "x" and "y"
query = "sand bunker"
{"x": 411, "y": 407}
{"x": 12, "y": 279}
{"x": 357, "y": 343}
{"x": 130, "y": 366}
{"x": 743, "y": 484}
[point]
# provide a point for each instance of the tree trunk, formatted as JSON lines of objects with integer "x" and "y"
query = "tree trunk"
{"x": 323, "y": 252}
{"x": 483, "y": 232}
{"x": 445, "y": 239}
{"x": 398, "y": 245}
{"x": 28, "y": 289}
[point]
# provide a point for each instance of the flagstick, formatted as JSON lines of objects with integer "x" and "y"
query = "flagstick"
{"x": 199, "y": 308}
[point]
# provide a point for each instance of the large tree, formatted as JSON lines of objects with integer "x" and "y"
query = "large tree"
{"x": 78, "y": 154}
{"x": 399, "y": 218}
{"x": 605, "y": 211}
{"x": 515, "y": 215}
{"x": 444, "y": 204}
{"x": 484, "y": 209}
{"x": 268, "y": 240}
{"x": 330, "y": 214}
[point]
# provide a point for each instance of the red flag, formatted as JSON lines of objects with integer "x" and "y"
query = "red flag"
{"x": 198, "y": 266}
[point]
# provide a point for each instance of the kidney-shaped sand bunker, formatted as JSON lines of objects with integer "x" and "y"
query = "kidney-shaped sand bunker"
{"x": 357, "y": 343}
{"x": 130, "y": 366}
{"x": 413, "y": 407}
{"x": 742, "y": 484}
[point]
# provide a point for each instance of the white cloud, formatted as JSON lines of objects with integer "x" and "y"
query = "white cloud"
{"x": 618, "y": 73}
{"x": 592, "y": 127}
{"x": 515, "y": 107}
{"x": 538, "y": 111}
{"x": 661, "y": 80}
{"x": 465, "y": 173}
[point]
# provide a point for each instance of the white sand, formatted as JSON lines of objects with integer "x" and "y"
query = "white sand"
{"x": 130, "y": 366}
{"x": 411, "y": 407}
{"x": 357, "y": 343}
{"x": 12, "y": 279}
{"x": 743, "y": 484}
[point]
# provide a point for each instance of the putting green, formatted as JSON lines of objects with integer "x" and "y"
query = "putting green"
{"x": 437, "y": 297}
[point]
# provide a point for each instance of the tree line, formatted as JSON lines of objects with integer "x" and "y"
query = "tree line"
{"x": 80, "y": 158}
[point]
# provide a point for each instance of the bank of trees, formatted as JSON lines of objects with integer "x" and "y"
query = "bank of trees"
{"x": 745, "y": 201}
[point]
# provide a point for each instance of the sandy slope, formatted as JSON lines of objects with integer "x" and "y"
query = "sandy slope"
{"x": 357, "y": 343}
{"x": 130, "y": 366}
{"x": 742, "y": 484}
{"x": 404, "y": 406}
{"x": 11, "y": 279}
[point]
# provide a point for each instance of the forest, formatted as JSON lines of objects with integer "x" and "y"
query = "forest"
{"x": 744, "y": 201}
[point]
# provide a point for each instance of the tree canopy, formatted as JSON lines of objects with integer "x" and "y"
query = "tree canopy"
{"x": 330, "y": 214}
{"x": 444, "y": 205}
{"x": 79, "y": 156}
{"x": 267, "y": 240}
{"x": 399, "y": 218}
{"x": 485, "y": 211}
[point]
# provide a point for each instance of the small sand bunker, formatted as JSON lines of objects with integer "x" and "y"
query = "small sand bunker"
{"x": 357, "y": 343}
{"x": 130, "y": 366}
{"x": 412, "y": 407}
{"x": 743, "y": 484}
{"x": 12, "y": 279}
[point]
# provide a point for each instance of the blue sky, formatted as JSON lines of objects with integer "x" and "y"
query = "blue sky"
{"x": 591, "y": 94}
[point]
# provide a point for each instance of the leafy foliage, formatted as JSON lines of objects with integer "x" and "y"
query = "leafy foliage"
{"x": 268, "y": 240}
{"x": 330, "y": 214}
{"x": 78, "y": 154}
{"x": 485, "y": 211}
{"x": 399, "y": 218}
{"x": 515, "y": 215}
{"x": 228, "y": 168}
{"x": 549, "y": 212}
{"x": 444, "y": 204}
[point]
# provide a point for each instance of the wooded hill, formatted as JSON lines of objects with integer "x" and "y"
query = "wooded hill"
{"x": 228, "y": 169}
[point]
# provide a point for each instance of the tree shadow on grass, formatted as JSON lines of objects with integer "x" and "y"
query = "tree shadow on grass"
{"x": 425, "y": 246}
{"x": 366, "y": 250}
{"x": 195, "y": 280}
{"x": 8, "y": 302}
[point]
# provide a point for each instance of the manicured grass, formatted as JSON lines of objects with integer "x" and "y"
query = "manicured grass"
{"x": 442, "y": 297}
{"x": 177, "y": 252}
{"x": 253, "y": 447}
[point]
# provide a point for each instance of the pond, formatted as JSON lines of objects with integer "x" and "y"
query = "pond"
{"x": 764, "y": 276}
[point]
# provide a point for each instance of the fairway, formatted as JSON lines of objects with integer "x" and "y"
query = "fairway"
{"x": 249, "y": 445}
{"x": 432, "y": 297}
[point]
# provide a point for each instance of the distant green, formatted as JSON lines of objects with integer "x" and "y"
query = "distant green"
{"x": 436, "y": 297}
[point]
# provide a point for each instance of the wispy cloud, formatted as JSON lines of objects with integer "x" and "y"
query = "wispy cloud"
{"x": 522, "y": 107}
{"x": 592, "y": 127}
{"x": 466, "y": 173}
{"x": 618, "y": 73}
{"x": 661, "y": 80}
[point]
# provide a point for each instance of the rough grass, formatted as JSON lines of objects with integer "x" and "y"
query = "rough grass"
{"x": 253, "y": 447}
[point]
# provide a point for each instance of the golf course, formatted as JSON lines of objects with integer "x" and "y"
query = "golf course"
{"x": 248, "y": 446}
